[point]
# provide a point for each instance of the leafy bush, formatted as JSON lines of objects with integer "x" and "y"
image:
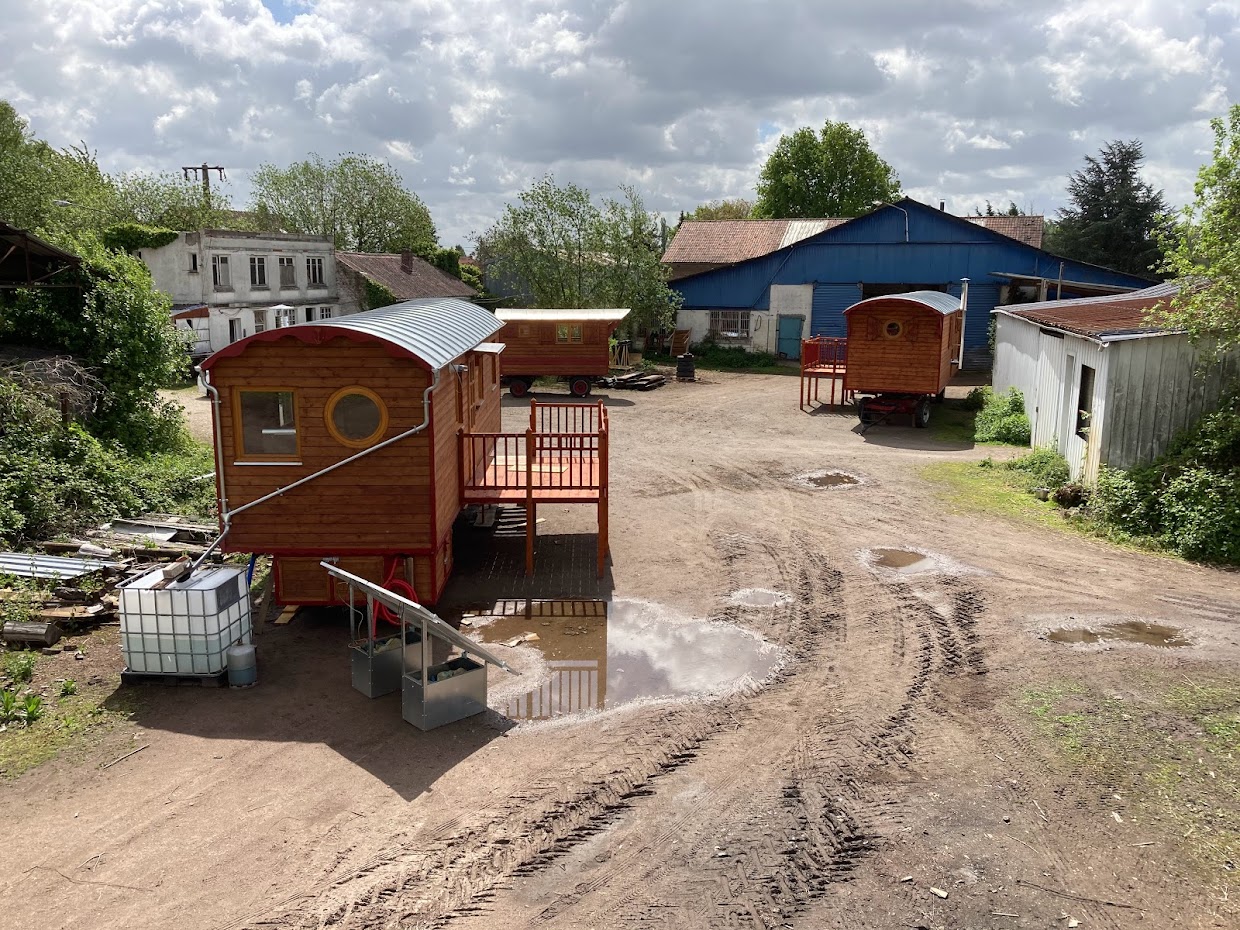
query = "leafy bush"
{"x": 976, "y": 398}
{"x": 712, "y": 355}
{"x": 1041, "y": 468}
{"x": 129, "y": 237}
{"x": 8, "y": 706}
{"x": 68, "y": 687}
{"x": 1071, "y": 495}
{"x": 1002, "y": 419}
{"x": 33, "y": 708}
{"x": 1188, "y": 500}
{"x": 19, "y": 666}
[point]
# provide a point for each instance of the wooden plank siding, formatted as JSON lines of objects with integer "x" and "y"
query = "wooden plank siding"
{"x": 918, "y": 361}
{"x": 532, "y": 350}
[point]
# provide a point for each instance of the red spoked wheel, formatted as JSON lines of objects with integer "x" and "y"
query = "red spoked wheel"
{"x": 579, "y": 386}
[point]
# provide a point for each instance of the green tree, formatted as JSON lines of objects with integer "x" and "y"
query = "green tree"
{"x": 833, "y": 172}
{"x": 1012, "y": 210}
{"x": 169, "y": 201}
{"x": 1115, "y": 219}
{"x": 558, "y": 249}
{"x": 359, "y": 201}
{"x": 1204, "y": 252}
{"x": 737, "y": 208}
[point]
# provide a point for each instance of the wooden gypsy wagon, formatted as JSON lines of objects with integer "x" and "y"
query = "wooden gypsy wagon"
{"x": 902, "y": 351}
{"x": 341, "y": 439}
{"x": 574, "y": 345}
{"x": 361, "y": 438}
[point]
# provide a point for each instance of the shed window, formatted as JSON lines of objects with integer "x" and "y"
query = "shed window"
{"x": 730, "y": 324}
{"x": 1085, "y": 402}
{"x": 356, "y": 416}
{"x": 568, "y": 333}
{"x": 268, "y": 424}
{"x": 892, "y": 329}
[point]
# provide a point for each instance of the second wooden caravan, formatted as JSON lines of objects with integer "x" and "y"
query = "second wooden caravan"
{"x": 573, "y": 345}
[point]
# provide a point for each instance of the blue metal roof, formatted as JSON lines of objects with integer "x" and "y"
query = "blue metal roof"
{"x": 935, "y": 300}
{"x": 435, "y": 330}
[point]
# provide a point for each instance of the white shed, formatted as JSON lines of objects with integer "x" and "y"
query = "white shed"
{"x": 1101, "y": 384}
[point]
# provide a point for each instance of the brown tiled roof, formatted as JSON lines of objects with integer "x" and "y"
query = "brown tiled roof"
{"x": 1026, "y": 229}
{"x": 722, "y": 242}
{"x": 425, "y": 280}
{"x": 1116, "y": 315}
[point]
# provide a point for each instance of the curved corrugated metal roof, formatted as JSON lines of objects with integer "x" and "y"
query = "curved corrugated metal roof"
{"x": 435, "y": 330}
{"x": 607, "y": 315}
{"x": 935, "y": 300}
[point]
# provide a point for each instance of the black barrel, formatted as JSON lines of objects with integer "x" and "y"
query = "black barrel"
{"x": 685, "y": 370}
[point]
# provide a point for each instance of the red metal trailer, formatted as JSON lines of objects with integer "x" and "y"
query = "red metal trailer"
{"x": 903, "y": 349}
{"x": 573, "y": 345}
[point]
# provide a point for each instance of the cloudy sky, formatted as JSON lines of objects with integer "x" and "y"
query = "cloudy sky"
{"x": 969, "y": 100}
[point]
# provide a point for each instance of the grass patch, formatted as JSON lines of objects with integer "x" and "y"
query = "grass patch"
{"x": 70, "y": 713}
{"x": 1170, "y": 750}
{"x": 999, "y": 492}
{"x": 733, "y": 359}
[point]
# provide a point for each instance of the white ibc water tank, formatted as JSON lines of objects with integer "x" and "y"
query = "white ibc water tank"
{"x": 184, "y": 627}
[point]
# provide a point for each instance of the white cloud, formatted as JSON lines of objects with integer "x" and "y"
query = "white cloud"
{"x": 975, "y": 100}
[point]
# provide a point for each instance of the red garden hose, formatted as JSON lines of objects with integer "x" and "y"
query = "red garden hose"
{"x": 397, "y": 586}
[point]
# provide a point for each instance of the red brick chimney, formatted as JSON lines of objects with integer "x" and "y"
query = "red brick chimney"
{"x": 406, "y": 261}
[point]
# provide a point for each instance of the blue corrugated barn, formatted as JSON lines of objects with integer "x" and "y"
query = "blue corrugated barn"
{"x": 801, "y": 286}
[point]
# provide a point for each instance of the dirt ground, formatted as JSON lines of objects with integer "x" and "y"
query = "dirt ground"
{"x": 894, "y": 752}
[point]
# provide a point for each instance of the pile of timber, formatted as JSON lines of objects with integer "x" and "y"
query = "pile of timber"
{"x": 636, "y": 381}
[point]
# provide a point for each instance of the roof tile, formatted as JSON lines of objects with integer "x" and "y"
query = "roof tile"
{"x": 425, "y": 280}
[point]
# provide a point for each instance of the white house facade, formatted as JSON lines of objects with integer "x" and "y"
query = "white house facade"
{"x": 227, "y": 285}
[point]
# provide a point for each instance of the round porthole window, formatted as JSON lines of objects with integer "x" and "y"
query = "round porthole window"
{"x": 892, "y": 329}
{"x": 356, "y": 417}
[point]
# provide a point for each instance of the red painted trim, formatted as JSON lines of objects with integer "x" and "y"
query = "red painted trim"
{"x": 311, "y": 335}
{"x": 434, "y": 488}
{"x": 321, "y": 553}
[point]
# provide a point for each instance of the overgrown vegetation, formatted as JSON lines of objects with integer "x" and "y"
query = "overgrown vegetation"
{"x": 1000, "y": 417}
{"x": 710, "y": 354}
{"x": 1187, "y": 501}
{"x": 1167, "y": 752}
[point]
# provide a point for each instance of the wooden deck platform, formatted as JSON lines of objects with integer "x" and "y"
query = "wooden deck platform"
{"x": 560, "y": 459}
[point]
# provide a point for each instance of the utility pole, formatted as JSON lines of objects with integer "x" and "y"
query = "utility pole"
{"x": 204, "y": 171}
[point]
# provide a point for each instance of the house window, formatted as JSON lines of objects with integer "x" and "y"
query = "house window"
{"x": 258, "y": 271}
{"x": 1085, "y": 402}
{"x": 730, "y": 324}
{"x": 260, "y": 321}
{"x": 220, "y": 274}
{"x": 193, "y": 263}
{"x": 568, "y": 333}
{"x": 314, "y": 272}
{"x": 286, "y": 316}
{"x": 325, "y": 313}
{"x": 356, "y": 417}
{"x": 309, "y": 314}
{"x": 288, "y": 274}
{"x": 268, "y": 424}
{"x": 234, "y": 330}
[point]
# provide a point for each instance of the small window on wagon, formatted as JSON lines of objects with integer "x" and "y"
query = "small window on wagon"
{"x": 268, "y": 425}
{"x": 356, "y": 417}
{"x": 568, "y": 333}
{"x": 893, "y": 329}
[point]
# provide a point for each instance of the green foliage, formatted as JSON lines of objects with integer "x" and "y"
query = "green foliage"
{"x": 1002, "y": 418}
{"x": 377, "y": 295}
{"x": 833, "y": 172}
{"x": 976, "y": 398}
{"x": 8, "y": 706}
{"x": 736, "y": 209}
{"x": 32, "y": 709}
{"x": 711, "y": 355}
{"x": 447, "y": 260}
{"x": 19, "y": 666}
{"x": 119, "y": 328}
{"x": 55, "y": 478}
{"x": 557, "y": 248}
{"x": 1115, "y": 218}
{"x": 1205, "y": 252}
{"x": 68, "y": 687}
{"x": 472, "y": 275}
{"x": 129, "y": 237}
{"x": 1041, "y": 468}
{"x": 1189, "y": 499}
{"x": 357, "y": 200}
{"x": 1012, "y": 210}
{"x": 170, "y": 201}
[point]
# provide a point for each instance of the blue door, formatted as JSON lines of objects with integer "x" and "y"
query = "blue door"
{"x": 789, "y": 345}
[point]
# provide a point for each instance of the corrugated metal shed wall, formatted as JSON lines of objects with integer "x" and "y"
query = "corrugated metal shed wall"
{"x": 1157, "y": 388}
{"x": 830, "y": 302}
{"x": 1016, "y": 358}
{"x": 940, "y": 251}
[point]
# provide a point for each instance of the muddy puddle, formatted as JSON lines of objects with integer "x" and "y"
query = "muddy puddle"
{"x": 828, "y": 479}
{"x": 1132, "y": 631}
{"x": 904, "y": 561}
{"x": 759, "y": 597}
{"x": 601, "y": 655}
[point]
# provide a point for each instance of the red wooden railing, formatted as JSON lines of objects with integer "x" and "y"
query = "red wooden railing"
{"x": 568, "y": 452}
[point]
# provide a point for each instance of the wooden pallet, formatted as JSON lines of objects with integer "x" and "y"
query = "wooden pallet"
{"x": 637, "y": 381}
{"x": 172, "y": 681}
